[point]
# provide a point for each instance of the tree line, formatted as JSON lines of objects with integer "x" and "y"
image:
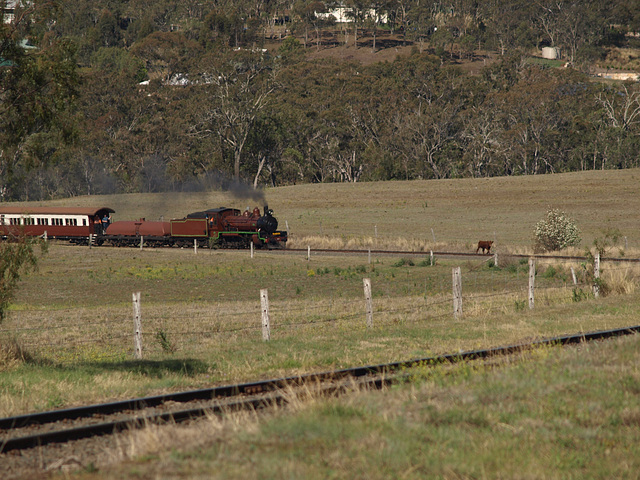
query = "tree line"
{"x": 141, "y": 96}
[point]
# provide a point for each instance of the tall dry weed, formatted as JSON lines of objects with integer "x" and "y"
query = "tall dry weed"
{"x": 374, "y": 243}
{"x": 620, "y": 281}
{"x": 12, "y": 354}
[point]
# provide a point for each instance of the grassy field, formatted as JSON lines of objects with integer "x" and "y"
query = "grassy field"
{"x": 460, "y": 212}
{"x": 68, "y": 336}
{"x": 553, "y": 414}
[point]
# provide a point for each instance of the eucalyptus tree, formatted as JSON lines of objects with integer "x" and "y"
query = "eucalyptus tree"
{"x": 312, "y": 15}
{"x": 618, "y": 125}
{"x": 509, "y": 23}
{"x": 379, "y": 13}
{"x": 357, "y": 11}
{"x": 571, "y": 25}
{"x": 481, "y": 141}
{"x": 241, "y": 85}
{"x": 37, "y": 87}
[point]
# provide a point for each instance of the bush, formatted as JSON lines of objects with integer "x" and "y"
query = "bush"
{"x": 17, "y": 255}
{"x": 555, "y": 232}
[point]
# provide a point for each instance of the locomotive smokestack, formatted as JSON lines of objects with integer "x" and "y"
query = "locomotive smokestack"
{"x": 266, "y": 209}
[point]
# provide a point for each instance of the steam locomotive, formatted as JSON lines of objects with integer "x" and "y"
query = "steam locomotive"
{"x": 217, "y": 227}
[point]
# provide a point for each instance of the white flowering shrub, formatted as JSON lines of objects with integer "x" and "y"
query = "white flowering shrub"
{"x": 555, "y": 232}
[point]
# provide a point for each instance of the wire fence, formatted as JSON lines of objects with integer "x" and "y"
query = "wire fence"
{"x": 67, "y": 336}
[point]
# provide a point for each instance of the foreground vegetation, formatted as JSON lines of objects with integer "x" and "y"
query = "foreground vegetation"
{"x": 67, "y": 338}
{"x": 552, "y": 413}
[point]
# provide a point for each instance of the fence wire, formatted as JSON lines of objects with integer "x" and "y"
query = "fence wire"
{"x": 107, "y": 334}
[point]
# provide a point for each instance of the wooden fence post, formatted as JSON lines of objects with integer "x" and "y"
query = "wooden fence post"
{"x": 369, "y": 303}
{"x": 596, "y": 275}
{"x": 264, "y": 303}
{"x": 195, "y": 246}
{"x": 457, "y": 292}
{"x": 369, "y": 256}
{"x": 573, "y": 276}
{"x": 431, "y": 257}
{"x": 137, "y": 327}
{"x": 90, "y": 240}
{"x": 308, "y": 253}
{"x": 141, "y": 241}
{"x": 532, "y": 279}
{"x": 251, "y": 243}
{"x": 495, "y": 259}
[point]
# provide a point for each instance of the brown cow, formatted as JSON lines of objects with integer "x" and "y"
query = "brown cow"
{"x": 484, "y": 245}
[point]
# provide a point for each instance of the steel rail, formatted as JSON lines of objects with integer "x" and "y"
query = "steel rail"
{"x": 270, "y": 386}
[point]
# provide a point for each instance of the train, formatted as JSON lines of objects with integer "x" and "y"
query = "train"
{"x": 213, "y": 228}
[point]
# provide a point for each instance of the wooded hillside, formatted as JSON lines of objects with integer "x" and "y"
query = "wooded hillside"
{"x": 143, "y": 96}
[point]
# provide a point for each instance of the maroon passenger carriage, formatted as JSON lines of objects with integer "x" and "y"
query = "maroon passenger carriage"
{"x": 73, "y": 224}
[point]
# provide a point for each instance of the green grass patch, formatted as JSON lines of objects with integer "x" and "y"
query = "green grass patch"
{"x": 552, "y": 413}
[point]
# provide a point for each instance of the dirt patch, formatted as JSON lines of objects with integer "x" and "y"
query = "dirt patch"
{"x": 336, "y": 45}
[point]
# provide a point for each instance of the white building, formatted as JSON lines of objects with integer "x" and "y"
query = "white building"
{"x": 8, "y": 8}
{"x": 343, "y": 15}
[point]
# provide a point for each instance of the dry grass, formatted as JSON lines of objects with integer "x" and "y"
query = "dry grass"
{"x": 371, "y": 243}
{"x": 621, "y": 281}
{"x": 12, "y": 354}
{"x": 456, "y": 212}
{"x": 201, "y": 313}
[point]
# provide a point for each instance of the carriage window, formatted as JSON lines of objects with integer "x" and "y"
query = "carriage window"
{"x": 84, "y": 222}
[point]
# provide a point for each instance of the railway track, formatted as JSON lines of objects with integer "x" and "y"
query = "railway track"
{"x": 32, "y": 430}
